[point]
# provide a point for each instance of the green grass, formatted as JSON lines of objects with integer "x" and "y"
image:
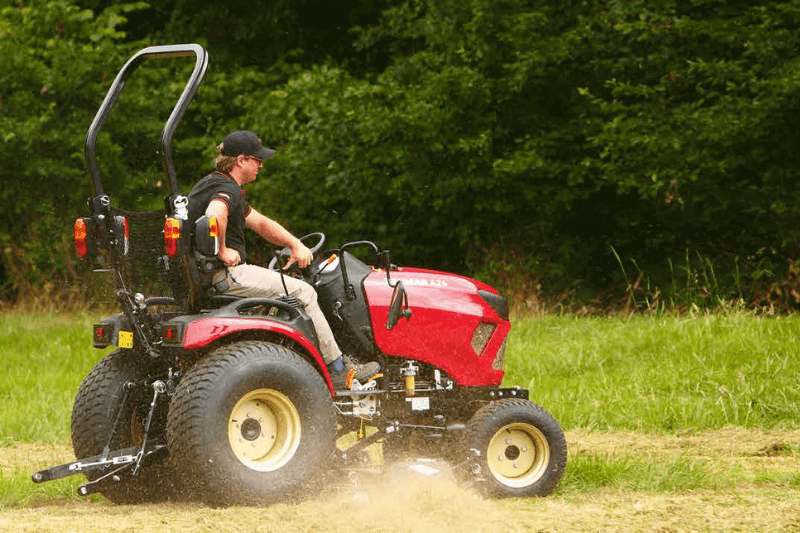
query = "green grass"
{"x": 44, "y": 360}
{"x": 591, "y": 472}
{"x": 652, "y": 374}
{"x": 660, "y": 373}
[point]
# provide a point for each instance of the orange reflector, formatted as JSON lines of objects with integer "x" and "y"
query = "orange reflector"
{"x": 172, "y": 235}
{"x": 80, "y": 235}
{"x": 213, "y": 227}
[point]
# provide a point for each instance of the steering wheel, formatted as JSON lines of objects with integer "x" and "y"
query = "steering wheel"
{"x": 286, "y": 253}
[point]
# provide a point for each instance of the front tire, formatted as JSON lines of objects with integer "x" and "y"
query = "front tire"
{"x": 251, "y": 423}
{"x": 97, "y": 406}
{"x": 518, "y": 447}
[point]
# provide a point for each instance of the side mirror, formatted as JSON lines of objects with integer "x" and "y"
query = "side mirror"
{"x": 398, "y": 307}
{"x": 206, "y": 236}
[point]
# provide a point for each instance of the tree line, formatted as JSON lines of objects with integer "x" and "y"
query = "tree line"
{"x": 576, "y": 149}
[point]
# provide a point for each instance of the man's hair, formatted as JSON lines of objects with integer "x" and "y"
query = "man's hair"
{"x": 224, "y": 162}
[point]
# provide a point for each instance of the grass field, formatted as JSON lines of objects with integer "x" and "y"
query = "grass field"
{"x": 661, "y": 373}
{"x": 666, "y": 406}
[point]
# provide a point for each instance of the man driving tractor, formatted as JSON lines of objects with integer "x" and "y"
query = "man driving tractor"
{"x": 220, "y": 195}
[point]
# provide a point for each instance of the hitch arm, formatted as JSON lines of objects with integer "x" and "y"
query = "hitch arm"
{"x": 133, "y": 456}
{"x": 124, "y": 456}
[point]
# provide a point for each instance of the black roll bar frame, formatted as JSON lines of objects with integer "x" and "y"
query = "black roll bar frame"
{"x": 152, "y": 52}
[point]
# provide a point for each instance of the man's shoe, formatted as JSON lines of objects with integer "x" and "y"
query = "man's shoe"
{"x": 362, "y": 372}
{"x": 343, "y": 379}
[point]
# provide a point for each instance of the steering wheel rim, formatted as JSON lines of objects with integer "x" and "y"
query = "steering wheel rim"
{"x": 286, "y": 252}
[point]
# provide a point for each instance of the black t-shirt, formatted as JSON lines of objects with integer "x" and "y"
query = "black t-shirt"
{"x": 219, "y": 186}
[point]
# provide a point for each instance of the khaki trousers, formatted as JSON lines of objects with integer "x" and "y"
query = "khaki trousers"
{"x": 251, "y": 281}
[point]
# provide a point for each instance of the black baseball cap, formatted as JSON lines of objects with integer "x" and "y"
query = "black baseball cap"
{"x": 244, "y": 142}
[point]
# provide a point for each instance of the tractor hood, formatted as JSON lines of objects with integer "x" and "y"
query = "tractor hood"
{"x": 457, "y": 324}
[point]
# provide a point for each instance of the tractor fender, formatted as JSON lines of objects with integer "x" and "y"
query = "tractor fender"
{"x": 202, "y": 332}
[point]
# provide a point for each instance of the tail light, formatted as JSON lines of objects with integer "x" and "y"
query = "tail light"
{"x": 81, "y": 236}
{"x": 172, "y": 334}
{"x": 87, "y": 238}
{"x": 172, "y": 236}
{"x": 102, "y": 335}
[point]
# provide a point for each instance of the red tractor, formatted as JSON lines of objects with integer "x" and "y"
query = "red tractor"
{"x": 227, "y": 400}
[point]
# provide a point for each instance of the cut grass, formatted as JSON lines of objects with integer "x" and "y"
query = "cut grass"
{"x": 729, "y": 460}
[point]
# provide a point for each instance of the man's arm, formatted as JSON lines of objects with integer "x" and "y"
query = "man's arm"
{"x": 277, "y": 234}
{"x": 219, "y": 209}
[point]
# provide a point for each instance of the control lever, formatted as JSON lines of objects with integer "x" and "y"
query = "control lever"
{"x": 291, "y": 300}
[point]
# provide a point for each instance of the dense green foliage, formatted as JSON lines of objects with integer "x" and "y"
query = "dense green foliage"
{"x": 575, "y": 148}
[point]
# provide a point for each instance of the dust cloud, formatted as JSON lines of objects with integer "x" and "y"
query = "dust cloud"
{"x": 422, "y": 495}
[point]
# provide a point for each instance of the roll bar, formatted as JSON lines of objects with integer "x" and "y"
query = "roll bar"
{"x": 152, "y": 52}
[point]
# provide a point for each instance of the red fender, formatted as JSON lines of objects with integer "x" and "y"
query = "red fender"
{"x": 202, "y": 332}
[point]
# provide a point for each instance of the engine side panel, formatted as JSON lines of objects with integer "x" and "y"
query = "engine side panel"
{"x": 446, "y": 311}
{"x": 349, "y": 319}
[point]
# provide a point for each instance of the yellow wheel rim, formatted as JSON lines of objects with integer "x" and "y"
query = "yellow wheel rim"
{"x": 264, "y": 430}
{"x": 518, "y": 455}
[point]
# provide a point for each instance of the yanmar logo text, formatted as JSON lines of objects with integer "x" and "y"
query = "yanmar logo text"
{"x": 424, "y": 282}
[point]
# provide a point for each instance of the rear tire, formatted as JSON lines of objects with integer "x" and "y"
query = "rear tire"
{"x": 250, "y": 424}
{"x": 521, "y": 449}
{"x": 93, "y": 415}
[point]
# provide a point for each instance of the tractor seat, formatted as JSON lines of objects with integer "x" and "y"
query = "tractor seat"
{"x": 218, "y": 300}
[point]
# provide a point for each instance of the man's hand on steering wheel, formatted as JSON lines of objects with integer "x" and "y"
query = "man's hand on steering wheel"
{"x": 300, "y": 255}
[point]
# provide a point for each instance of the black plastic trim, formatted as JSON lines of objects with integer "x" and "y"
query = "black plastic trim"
{"x": 497, "y": 302}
